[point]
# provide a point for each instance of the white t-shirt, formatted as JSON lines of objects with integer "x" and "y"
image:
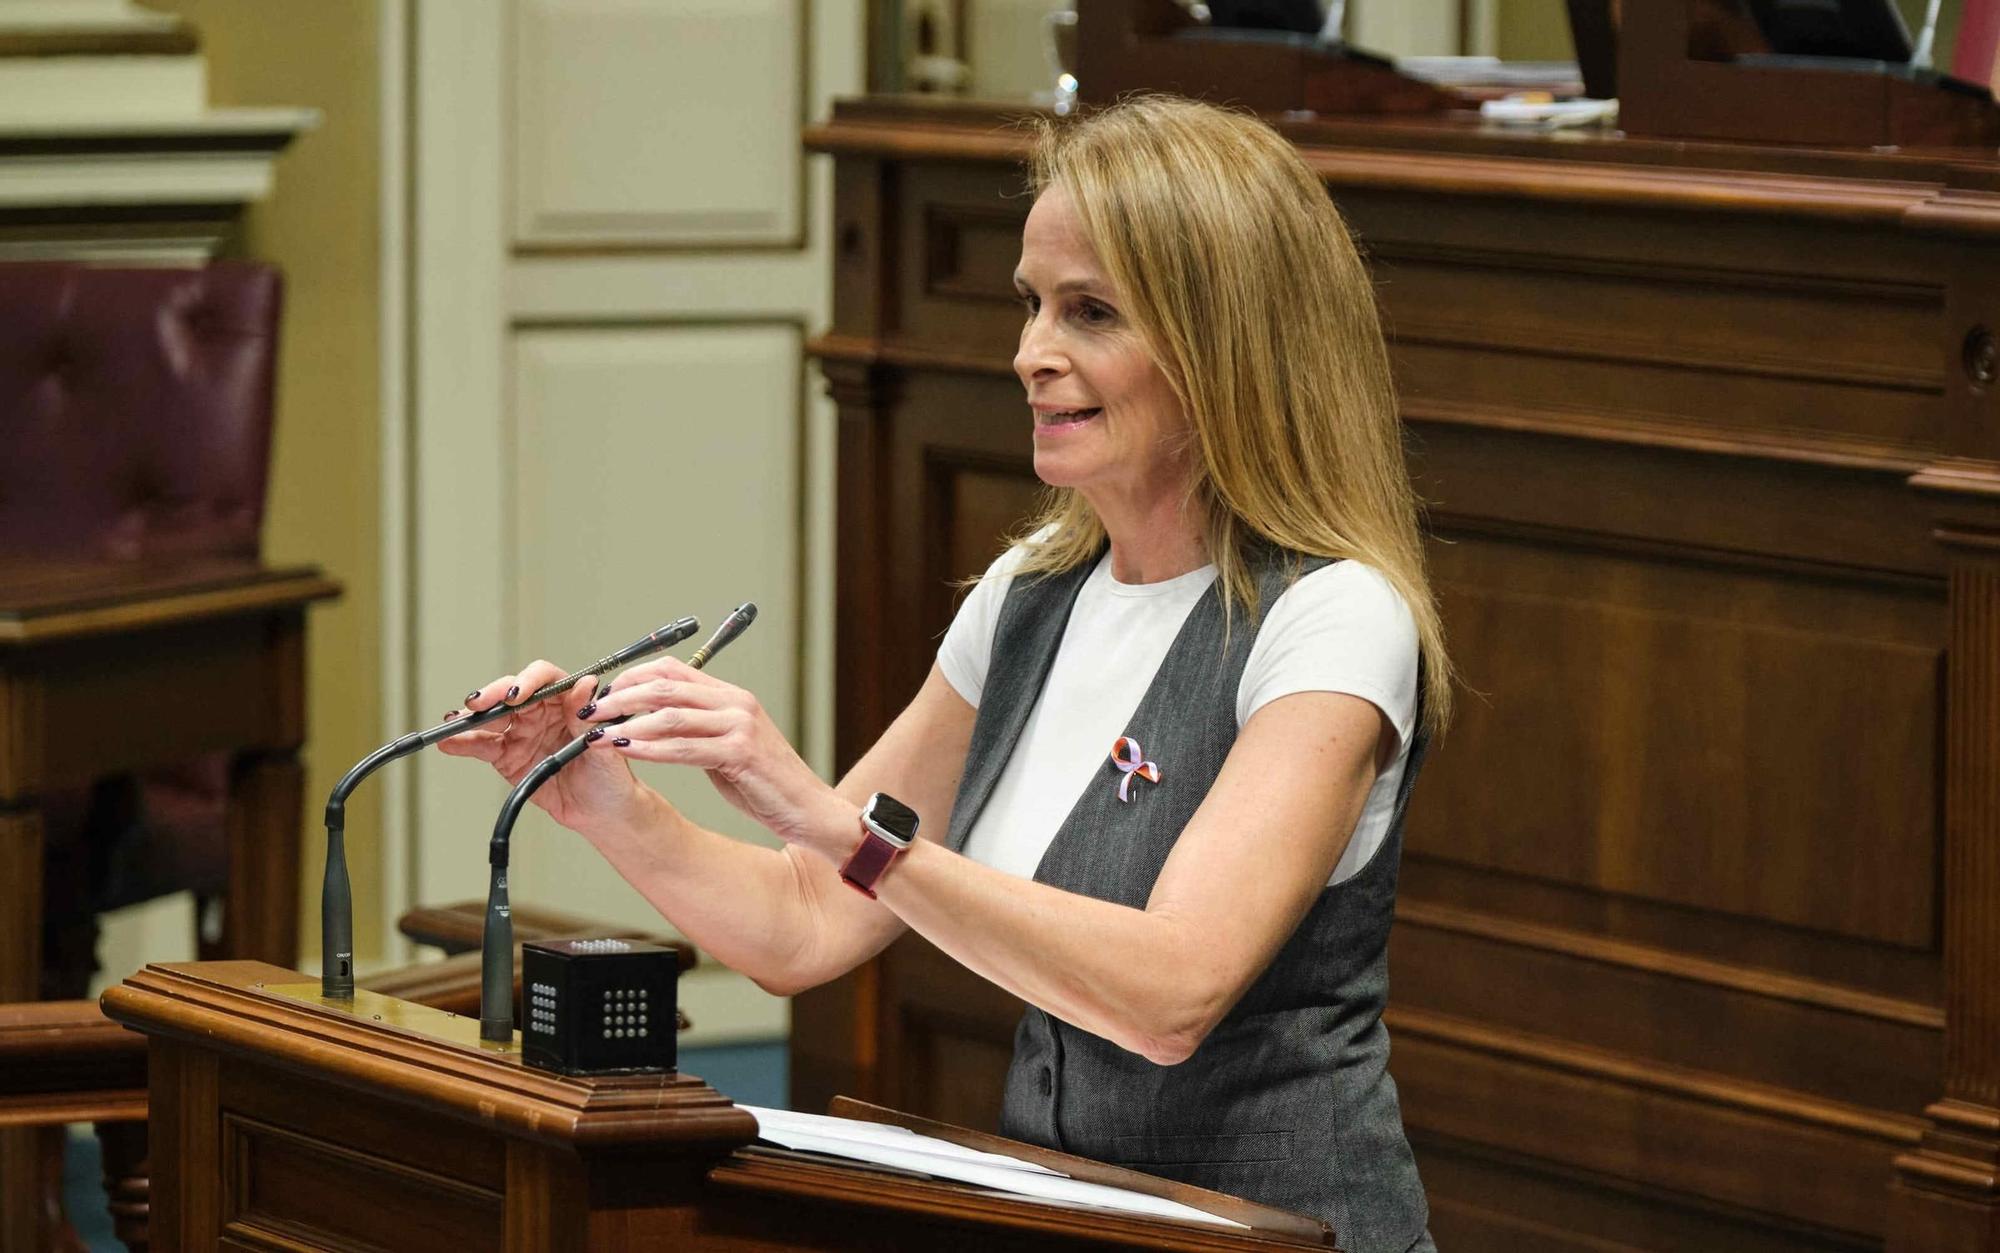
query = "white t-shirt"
{"x": 1342, "y": 628}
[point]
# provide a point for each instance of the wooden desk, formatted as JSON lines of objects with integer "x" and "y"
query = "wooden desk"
{"x": 1698, "y": 943}
{"x": 63, "y": 1062}
{"x": 110, "y": 669}
{"x": 280, "y": 1122}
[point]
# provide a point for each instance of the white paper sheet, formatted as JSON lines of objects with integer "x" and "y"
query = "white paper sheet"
{"x": 783, "y": 1125}
{"x": 907, "y": 1150}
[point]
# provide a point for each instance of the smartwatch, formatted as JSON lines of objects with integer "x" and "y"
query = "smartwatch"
{"x": 887, "y": 827}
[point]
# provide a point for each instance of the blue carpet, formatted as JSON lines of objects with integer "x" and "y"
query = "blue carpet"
{"x": 83, "y": 1192}
{"x": 752, "y": 1074}
{"x": 749, "y": 1074}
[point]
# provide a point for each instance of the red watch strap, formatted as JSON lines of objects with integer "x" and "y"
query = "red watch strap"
{"x": 871, "y": 857}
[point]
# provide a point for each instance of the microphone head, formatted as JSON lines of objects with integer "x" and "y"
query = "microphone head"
{"x": 672, "y": 633}
{"x": 735, "y": 624}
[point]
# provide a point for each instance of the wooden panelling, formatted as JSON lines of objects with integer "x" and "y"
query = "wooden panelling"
{"x": 969, "y": 247}
{"x": 377, "y": 1128}
{"x": 281, "y": 1187}
{"x": 1973, "y": 859}
{"x": 1718, "y": 321}
{"x": 984, "y": 505}
{"x": 21, "y": 843}
{"x": 1693, "y": 328}
{"x": 1819, "y": 1039}
{"x": 184, "y": 1204}
{"x": 953, "y": 278}
{"x": 959, "y": 1070}
{"x": 955, "y": 1030}
{"x": 1500, "y": 1202}
{"x": 983, "y": 502}
{"x": 860, "y": 203}
{"x": 1685, "y": 735}
{"x": 967, "y": 482}
{"x": 1948, "y": 1191}
{"x": 1789, "y": 248}
{"x": 1504, "y": 904}
{"x": 1695, "y": 504}
{"x": 1687, "y": 1132}
{"x": 1475, "y": 370}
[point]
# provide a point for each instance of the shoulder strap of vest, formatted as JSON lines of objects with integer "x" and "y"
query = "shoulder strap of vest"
{"x": 1026, "y": 636}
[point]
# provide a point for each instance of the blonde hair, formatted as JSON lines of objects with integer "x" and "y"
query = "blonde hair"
{"x": 1233, "y": 263}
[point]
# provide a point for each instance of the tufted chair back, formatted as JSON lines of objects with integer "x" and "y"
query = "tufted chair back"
{"x": 135, "y": 409}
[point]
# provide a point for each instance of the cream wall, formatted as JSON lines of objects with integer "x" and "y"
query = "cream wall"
{"x": 1407, "y": 28}
{"x": 1006, "y": 44}
{"x": 321, "y": 227}
{"x": 1533, "y": 30}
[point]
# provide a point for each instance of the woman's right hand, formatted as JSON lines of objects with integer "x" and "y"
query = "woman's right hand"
{"x": 595, "y": 788}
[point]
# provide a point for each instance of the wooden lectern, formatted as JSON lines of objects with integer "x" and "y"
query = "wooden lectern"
{"x": 281, "y": 1121}
{"x": 1681, "y": 73}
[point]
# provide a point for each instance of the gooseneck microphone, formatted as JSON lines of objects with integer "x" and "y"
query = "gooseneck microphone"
{"x": 496, "y": 950}
{"x": 336, "y": 904}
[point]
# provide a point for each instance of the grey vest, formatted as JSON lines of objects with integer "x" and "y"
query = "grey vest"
{"x": 1289, "y": 1100}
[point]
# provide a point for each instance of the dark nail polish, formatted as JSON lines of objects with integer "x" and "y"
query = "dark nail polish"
{"x": 471, "y": 696}
{"x": 453, "y": 714}
{"x": 513, "y": 691}
{"x": 594, "y": 736}
{"x": 621, "y": 742}
{"x": 603, "y": 690}
{"x": 587, "y": 710}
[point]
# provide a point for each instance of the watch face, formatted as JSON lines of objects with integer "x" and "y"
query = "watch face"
{"x": 896, "y": 820}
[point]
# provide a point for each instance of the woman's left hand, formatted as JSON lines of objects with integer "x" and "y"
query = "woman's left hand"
{"x": 682, "y": 716}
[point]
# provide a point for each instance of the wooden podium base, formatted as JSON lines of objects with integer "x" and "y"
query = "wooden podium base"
{"x": 281, "y": 1121}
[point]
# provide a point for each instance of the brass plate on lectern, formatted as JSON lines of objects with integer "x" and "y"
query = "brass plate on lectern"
{"x": 436, "y": 1024}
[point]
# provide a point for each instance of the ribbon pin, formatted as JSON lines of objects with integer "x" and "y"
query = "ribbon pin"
{"x": 1130, "y": 760}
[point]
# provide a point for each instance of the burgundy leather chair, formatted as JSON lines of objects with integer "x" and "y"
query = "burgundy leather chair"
{"x": 138, "y": 409}
{"x": 135, "y": 427}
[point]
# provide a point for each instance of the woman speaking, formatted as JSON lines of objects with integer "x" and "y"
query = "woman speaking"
{"x": 1154, "y": 784}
